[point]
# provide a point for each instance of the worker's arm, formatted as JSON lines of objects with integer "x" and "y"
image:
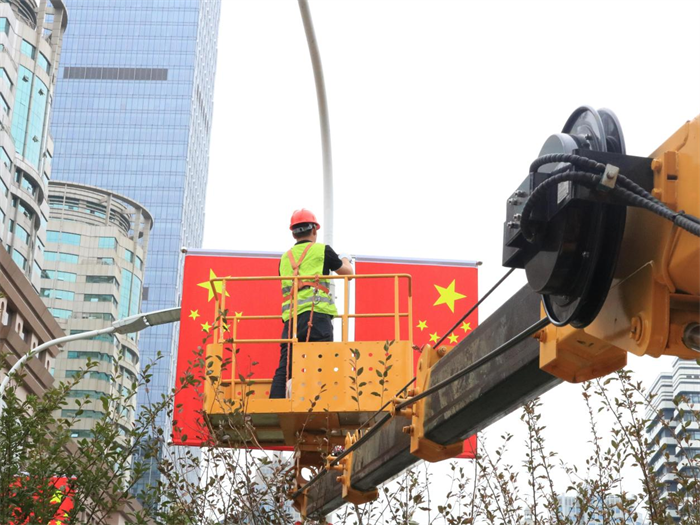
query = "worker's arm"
{"x": 346, "y": 268}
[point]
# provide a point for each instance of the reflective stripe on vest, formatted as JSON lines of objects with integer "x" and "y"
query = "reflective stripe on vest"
{"x": 311, "y": 264}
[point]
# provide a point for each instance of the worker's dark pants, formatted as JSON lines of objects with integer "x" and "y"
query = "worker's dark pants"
{"x": 322, "y": 330}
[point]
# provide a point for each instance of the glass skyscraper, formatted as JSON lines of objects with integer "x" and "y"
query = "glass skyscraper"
{"x": 133, "y": 115}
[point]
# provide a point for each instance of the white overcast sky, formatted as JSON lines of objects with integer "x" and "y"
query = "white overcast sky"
{"x": 437, "y": 108}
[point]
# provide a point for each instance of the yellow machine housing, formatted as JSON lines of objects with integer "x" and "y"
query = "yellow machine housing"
{"x": 655, "y": 293}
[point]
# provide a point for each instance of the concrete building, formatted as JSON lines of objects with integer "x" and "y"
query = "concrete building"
{"x": 133, "y": 114}
{"x": 31, "y": 34}
{"x": 96, "y": 246}
{"x": 675, "y": 437}
{"x": 25, "y": 323}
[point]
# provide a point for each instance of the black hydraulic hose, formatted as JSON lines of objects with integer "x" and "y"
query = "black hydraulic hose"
{"x": 528, "y": 332}
{"x": 456, "y": 325}
{"x": 576, "y": 160}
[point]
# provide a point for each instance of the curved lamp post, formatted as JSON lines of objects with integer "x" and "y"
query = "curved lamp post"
{"x": 135, "y": 323}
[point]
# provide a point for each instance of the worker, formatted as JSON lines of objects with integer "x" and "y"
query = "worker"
{"x": 315, "y": 307}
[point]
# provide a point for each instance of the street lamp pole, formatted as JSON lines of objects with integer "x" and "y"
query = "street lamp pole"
{"x": 135, "y": 323}
{"x": 323, "y": 119}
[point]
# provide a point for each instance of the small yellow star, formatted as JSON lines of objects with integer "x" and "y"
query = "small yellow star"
{"x": 218, "y": 286}
{"x": 448, "y": 296}
{"x": 239, "y": 314}
{"x": 453, "y": 338}
{"x": 194, "y": 314}
{"x": 434, "y": 337}
{"x": 466, "y": 327}
{"x": 206, "y": 327}
{"x": 422, "y": 325}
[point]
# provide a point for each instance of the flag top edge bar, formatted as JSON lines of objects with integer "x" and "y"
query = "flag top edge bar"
{"x": 358, "y": 258}
{"x": 410, "y": 260}
{"x": 231, "y": 253}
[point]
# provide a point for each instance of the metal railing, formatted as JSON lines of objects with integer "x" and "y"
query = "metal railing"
{"x": 227, "y": 322}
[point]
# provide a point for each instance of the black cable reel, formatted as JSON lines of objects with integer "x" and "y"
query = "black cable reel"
{"x": 572, "y": 241}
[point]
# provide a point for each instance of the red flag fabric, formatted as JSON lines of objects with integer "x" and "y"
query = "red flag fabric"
{"x": 442, "y": 291}
{"x": 199, "y": 317}
{"x": 60, "y": 496}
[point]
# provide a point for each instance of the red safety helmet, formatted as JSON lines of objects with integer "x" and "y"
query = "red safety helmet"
{"x": 303, "y": 216}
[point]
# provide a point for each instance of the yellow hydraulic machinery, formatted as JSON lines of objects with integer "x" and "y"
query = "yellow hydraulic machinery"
{"x": 611, "y": 242}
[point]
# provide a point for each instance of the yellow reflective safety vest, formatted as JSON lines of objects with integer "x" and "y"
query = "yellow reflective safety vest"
{"x": 306, "y": 259}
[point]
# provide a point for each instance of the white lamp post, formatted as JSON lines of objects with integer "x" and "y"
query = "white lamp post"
{"x": 135, "y": 323}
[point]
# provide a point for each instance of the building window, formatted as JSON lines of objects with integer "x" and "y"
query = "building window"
{"x": 36, "y": 269}
{"x": 59, "y": 276}
{"x": 28, "y": 126}
{"x": 3, "y": 188}
{"x": 94, "y": 356}
{"x": 43, "y": 63}
{"x": 21, "y": 233}
{"x": 28, "y": 186}
{"x": 103, "y": 316}
{"x": 19, "y": 259}
{"x": 86, "y": 414}
{"x": 5, "y": 158}
{"x": 53, "y": 293}
{"x": 100, "y": 298}
{"x": 5, "y": 25}
{"x": 26, "y": 210}
{"x": 89, "y": 394}
{"x": 3, "y": 76}
{"x": 107, "y": 338}
{"x": 102, "y": 279}
{"x": 60, "y": 257}
{"x": 28, "y": 49}
{"x": 107, "y": 242}
{"x": 4, "y": 105}
{"x": 80, "y": 434}
{"x": 130, "y": 294}
{"x": 63, "y": 238}
{"x": 107, "y": 261}
{"x": 60, "y": 313}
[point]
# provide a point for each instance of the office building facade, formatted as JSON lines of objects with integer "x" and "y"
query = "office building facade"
{"x": 96, "y": 248}
{"x": 133, "y": 114}
{"x": 674, "y": 428}
{"x": 31, "y": 35}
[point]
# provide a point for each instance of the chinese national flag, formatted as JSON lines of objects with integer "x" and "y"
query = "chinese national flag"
{"x": 442, "y": 293}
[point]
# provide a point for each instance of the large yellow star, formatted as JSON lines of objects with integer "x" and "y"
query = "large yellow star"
{"x": 466, "y": 327}
{"x": 218, "y": 286}
{"x": 448, "y": 295}
{"x": 206, "y": 327}
{"x": 422, "y": 325}
{"x": 194, "y": 314}
{"x": 453, "y": 338}
{"x": 434, "y": 337}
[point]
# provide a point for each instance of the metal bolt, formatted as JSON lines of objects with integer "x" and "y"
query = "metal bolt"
{"x": 517, "y": 217}
{"x": 513, "y": 202}
{"x": 636, "y": 328}
{"x": 407, "y": 430}
{"x": 441, "y": 351}
{"x": 520, "y": 193}
{"x": 691, "y": 336}
{"x": 512, "y": 225}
